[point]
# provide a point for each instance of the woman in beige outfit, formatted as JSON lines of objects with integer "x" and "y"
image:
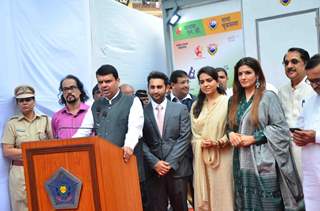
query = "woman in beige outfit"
{"x": 27, "y": 126}
{"x": 213, "y": 186}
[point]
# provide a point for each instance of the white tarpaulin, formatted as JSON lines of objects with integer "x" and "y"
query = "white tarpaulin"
{"x": 130, "y": 40}
{"x": 43, "y": 41}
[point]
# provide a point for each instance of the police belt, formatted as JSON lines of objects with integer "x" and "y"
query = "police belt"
{"x": 17, "y": 162}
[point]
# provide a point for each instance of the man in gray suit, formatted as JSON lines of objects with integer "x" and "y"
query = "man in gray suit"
{"x": 166, "y": 138}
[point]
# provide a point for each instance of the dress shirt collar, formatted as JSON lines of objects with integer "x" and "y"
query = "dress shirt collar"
{"x": 21, "y": 117}
{"x": 163, "y": 104}
{"x": 301, "y": 84}
{"x": 83, "y": 107}
{"x": 172, "y": 96}
{"x": 114, "y": 97}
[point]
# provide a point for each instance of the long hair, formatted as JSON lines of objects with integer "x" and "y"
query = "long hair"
{"x": 201, "y": 96}
{"x": 238, "y": 91}
{"x": 83, "y": 96}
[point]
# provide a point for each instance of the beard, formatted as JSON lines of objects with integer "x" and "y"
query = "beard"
{"x": 71, "y": 99}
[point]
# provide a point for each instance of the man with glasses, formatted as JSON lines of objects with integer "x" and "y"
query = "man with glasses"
{"x": 67, "y": 120}
{"x": 27, "y": 126}
{"x": 307, "y": 135}
{"x": 294, "y": 94}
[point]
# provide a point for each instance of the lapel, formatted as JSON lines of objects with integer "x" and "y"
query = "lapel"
{"x": 150, "y": 114}
{"x": 167, "y": 113}
{"x": 168, "y": 96}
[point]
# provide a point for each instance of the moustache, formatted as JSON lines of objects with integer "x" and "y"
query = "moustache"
{"x": 291, "y": 70}
{"x": 70, "y": 95}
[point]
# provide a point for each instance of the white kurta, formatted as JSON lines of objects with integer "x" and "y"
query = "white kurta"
{"x": 309, "y": 120}
{"x": 135, "y": 124}
{"x": 292, "y": 101}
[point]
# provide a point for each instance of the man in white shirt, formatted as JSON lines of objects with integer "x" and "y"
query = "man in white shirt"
{"x": 180, "y": 88}
{"x": 166, "y": 140}
{"x": 115, "y": 116}
{"x": 223, "y": 80}
{"x": 118, "y": 118}
{"x": 308, "y": 137}
{"x": 294, "y": 94}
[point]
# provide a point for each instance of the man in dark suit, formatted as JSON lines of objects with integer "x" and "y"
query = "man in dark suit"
{"x": 180, "y": 88}
{"x": 180, "y": 93}
{"x": 166, "y": 139}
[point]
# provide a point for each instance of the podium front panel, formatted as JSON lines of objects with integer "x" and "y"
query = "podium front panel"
{"x": 79, "y": 160}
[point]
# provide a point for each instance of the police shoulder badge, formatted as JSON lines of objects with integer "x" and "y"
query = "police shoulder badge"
{"x": 63, "y": 189}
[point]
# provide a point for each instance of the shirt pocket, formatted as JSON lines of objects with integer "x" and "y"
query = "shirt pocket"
{"x": 21, "y": 136}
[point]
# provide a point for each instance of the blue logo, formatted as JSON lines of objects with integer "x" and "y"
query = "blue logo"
{"x": 63, "y": 190}
{"x": 192, "y": 73}
{"x": 285, "y": 2}
{"x": 212, "y": 49}
{"x": 213, "y": 24}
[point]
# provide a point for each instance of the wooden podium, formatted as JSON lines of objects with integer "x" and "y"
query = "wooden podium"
{"x": 108, "y": 184}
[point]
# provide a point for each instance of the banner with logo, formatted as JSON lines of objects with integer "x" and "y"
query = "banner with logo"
{"x": 214, "y": 41}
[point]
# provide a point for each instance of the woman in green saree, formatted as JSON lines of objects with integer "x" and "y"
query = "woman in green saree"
{"x": 265, "y": 177}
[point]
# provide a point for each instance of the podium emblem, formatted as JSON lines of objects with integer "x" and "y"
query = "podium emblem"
{"x": 63, "y": 189}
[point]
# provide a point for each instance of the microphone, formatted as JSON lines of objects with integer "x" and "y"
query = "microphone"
{"x": 91, "y": 129}
{"x": 302, "y": 103}
{"x": 63, "y": 128}
{"x": 104, "y": 113}
{"x": 98, "y": 110}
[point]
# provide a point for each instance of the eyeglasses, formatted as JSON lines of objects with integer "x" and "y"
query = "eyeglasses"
{"x": 293, "y": 61}
{"x": 313, "y": 81}
{"x": 28, "y": 99}
{"x": 70, "y": 88}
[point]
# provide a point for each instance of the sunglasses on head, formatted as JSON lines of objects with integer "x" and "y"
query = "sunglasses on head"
{"x": 28, "y": 99}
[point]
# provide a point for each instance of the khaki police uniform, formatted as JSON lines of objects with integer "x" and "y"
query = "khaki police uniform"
{"x": 18, "y": 130}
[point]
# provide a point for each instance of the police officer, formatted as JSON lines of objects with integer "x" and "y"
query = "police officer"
{"x": 27, "y": 126}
